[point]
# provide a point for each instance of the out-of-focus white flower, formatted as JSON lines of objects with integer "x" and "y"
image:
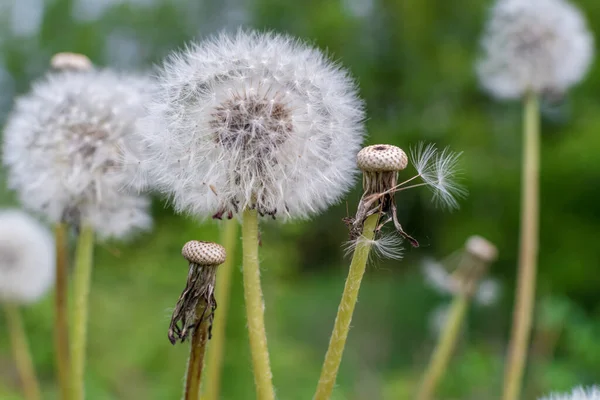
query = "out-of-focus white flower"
{"x": 579, "y": 393}
{"x": 537, "y": 45}
{"x": 26, "y": 258}
{"x": 63, "y": 149}
{"x": 253, "y": 120}
{"x": 442, "y": 281}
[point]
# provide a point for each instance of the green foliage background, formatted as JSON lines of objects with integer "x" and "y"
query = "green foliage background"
{"x": 414, "y": 61}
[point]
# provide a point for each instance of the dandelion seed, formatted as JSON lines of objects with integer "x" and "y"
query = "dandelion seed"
{"x": 578, "y": 393}
{"x": 26, "y": 258}
{"x": 252, "y": 121}
{"x": 543, "y": 46}
{"x": 62, "y": 148}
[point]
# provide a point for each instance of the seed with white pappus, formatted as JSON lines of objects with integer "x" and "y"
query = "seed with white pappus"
{"x": 252, "y": 121}
{"x": 63, "y": 149}
{"x": 543, "y": 46}
{"x": 26, "y": 257}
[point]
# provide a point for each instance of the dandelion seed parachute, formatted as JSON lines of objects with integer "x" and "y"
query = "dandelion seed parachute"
{"x": 63, "y": 149}
{"x": 252, "y": 120}
{"x": 538, "y": 45}
{"x": 26, "y": 257}
{"x": 579, "y": 393}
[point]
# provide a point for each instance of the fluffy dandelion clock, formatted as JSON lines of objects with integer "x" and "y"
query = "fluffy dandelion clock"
{"x": 253, "y": 120}
{"x": 26, "y": 257}
{"x": 63, "y": 149}
{"x": 579, "y": 393}
{"x": 534, "y": 45}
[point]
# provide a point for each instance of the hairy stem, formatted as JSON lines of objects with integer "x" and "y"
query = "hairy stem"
{"x": 255, "y": 308}
{"x": 81, "y": 292}
{"x": 444, "y": 348}
{"x": 21, "y": 353}
{"x": 196, "y": 360}
{"x": 214, "y": 364}
{"x": 333, "y": 358}
{"x": 61, "y": 326}
{"x": 528, "y": 252}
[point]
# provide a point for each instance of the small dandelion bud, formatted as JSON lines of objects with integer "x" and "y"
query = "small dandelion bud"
{"x": 26, "y": 258}
{"x": 481, "y": 248}
{"x": 71, "y": 61}
{"x": 543, "y": 46}
{"x": 578, "y": 393}
{"x": 63, "y": 150}
{"x": 252, "y": 121}
{"x": 203, "y": 258}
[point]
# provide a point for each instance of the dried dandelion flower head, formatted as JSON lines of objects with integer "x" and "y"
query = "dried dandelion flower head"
{"x": 253, "y": 120}
{"x": 203, "y": 258}
{"x": 463, "y": 272}
{"x": 579, "y": 393}
{"x": 381, "y": 164}
{"x": 542, "y": 46}
{"x": 62, "y": 148}
{"x": 26, "y": 258}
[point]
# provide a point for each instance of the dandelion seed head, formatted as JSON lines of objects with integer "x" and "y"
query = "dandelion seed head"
{"x": 578, "y": 393}
{"x": 73, "y": 61}
{"x": 26, "y": 258}
{"x": 252, "y": 120}
{"x": 63, "y": 149}
{"x": 203, "y": 253}
{"x": 537, "y": 45}
{"x": 381, "y": 158}
{"x": 481, "y": 248}
{"x": 437, "y": 277}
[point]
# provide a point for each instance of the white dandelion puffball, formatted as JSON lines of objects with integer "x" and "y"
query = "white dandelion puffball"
{"x": 63, "y": 149}
{"x": 579, "y": 393}
{"x": 253, "y": 120}
{"x": 26, "y": 258}
{"x": 534, "y": 45}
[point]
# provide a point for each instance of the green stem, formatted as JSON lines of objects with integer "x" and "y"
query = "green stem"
{"x": 528, "y": 252}
{"x": 81, "y": 292}
{"x": 21, "y": 352}
{"x": 333, "y": 358}
{"x": 444, "y": 348}
{"x": 255, "y": 308}
{"x": 196, "y": 360}
{"x": 214, "y": 364}
{"x": 61, "y": 326}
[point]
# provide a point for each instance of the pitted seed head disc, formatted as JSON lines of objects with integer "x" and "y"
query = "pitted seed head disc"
{"x": 203, "y": 253}
{"x": 382, "y": 158}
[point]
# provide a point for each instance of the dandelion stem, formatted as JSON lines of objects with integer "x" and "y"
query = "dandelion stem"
{"x": 197, "y": 351}
{"x": 81, "y": 291}
{"x": 21, "y": 352}
{"x": 214, "y": 364}
{"x": 333, "y": 358}
{"x": 528, "y": 252}
{"x": 61, "y": 327}
{"x": 255, "y": 308}
{"x": 444, "y": 348}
